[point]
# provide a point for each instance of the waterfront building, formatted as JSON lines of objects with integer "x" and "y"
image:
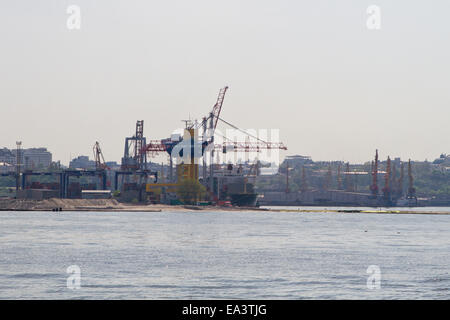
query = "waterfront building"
{"x": 36, "y": 158}
{"x": 82, "y": 162}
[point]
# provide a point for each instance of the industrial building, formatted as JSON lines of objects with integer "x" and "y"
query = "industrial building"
{"x": 317, "y": 198}
{"x": 36, "y": 158}
{"x": 82, "y": 162}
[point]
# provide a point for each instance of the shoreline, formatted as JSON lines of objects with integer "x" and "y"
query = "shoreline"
{"x": 105, "y": 205}
{"x": 112, "y": 205}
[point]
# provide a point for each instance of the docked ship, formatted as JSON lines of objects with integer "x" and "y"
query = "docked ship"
{"x": 231, "y": 184}
{"x": 244, "y": 199}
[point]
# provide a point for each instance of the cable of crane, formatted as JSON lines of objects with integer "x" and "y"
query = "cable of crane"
{"x": 243, "y": 131}
{"x": 224, "y": 137}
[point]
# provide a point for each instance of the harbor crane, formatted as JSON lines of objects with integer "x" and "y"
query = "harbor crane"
{"x": 208, "y": 125}
{"x": 98, "y": 158}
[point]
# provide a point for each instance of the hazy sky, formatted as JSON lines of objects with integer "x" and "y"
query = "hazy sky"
{"x": 334, "y": 88}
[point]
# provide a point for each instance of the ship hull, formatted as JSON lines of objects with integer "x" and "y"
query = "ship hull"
{"x": 243, "y": 199}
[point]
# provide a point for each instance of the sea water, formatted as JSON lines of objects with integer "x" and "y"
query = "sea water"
{"x": 224, "y": 255}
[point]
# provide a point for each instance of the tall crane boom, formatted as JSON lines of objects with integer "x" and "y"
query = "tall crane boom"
{"x": 167, "y": 144}
{"x": 218, "y": 107}
{"x": 213, "y": 116}
{"x": 98, "y": 157}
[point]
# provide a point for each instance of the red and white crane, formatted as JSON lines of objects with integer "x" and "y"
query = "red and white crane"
{"x": 209, "y": 125}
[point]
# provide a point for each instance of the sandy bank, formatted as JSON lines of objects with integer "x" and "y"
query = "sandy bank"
{"x": 100, "y": 205}
{"x": 111, "y": 205}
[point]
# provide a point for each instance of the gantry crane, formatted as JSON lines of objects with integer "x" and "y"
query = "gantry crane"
{"x": 134, "y": 157}
{"x": 134, "y": 160}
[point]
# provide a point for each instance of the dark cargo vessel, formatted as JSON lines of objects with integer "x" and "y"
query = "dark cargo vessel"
{"x": 243, "y": 199}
